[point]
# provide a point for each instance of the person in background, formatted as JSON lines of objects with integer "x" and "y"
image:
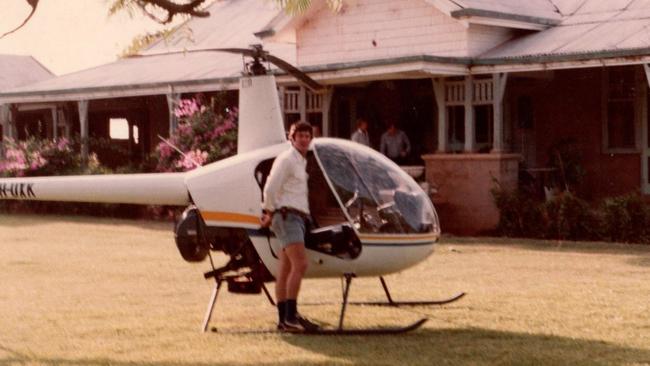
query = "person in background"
{"x": 286, "y": 211}
{"x": 395, "y": 144}
{"x": 361, "y": 134}
{"x": 316, "y": 131}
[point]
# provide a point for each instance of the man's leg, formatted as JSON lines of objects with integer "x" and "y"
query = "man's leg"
{"x": 297, "y": 256}
{"x": 283, "y": 273}
{"x": 281, "y": 285}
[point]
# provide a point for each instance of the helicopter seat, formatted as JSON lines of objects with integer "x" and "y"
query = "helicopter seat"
{"x": 338, "y": 240}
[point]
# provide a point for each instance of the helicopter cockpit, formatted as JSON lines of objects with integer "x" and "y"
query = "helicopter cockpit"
{"x": 376, "y": 196}
{"x": 356, "y": 190}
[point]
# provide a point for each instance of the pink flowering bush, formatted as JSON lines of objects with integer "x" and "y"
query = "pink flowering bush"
{"x": 203, "y": 136}
{"x": 36, "y": 157}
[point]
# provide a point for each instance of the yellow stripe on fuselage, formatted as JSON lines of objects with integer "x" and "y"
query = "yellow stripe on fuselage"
{"x": 230, "y": 217}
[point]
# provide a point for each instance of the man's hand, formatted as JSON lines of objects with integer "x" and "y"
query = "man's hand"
{"x": 265, "y": 220}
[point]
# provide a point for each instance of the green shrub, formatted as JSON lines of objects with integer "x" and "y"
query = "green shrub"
{"x": 520, "y": 214}
{"x": 626, "y": 219}
{"x": 570, "y": 217}
{"x": 566, "y": 157}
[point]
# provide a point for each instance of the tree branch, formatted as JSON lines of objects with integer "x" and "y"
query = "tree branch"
{"x": 172, "y": 8}
{"x": 33, "y": 4}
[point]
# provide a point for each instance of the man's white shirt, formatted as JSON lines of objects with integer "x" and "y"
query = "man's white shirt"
{"x": 361, "y": 137}
{"x": 286, "y": 185}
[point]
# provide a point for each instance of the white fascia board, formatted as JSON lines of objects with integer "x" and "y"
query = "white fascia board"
{"x": 410, "y": 70}
{"x": 283, "y": 27}
{"x": 445, "y": 6}
{"x": 522, "y": 67}
{"x": 90, "y": 94}
{"x": 35, "y": 106}
{"x": 279, "y": 29}
{"x": 504, "y": 23}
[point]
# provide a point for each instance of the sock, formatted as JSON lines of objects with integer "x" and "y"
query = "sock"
{"x": 291, "y": 310}
{"x": 282, "y": 311}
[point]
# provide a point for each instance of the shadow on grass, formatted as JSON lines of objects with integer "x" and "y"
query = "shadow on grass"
{"x": 469, "y": 346}
{"x": 643, "y": 261}
{"x": 28, "y": 220}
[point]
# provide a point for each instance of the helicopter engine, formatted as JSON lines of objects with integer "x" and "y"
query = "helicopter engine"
{"x": 244, "y": 272}
{"x": 189, "y": 236}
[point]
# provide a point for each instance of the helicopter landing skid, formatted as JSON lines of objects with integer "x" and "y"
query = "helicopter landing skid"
{"x": 340, "y": 330}
{"x": 335, "y": 332}
{"x": 391, "y": 302}
{"x": 367, "y": 331}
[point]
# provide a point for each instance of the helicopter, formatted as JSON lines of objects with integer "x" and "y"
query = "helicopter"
{"x": 370, "y": 217}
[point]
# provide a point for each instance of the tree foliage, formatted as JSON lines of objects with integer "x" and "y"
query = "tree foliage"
{"x": 164, "y": 11}
{"x": 143, "y": 41}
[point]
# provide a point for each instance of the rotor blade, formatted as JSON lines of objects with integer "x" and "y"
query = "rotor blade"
{"x": 244, "y": 51}
{"x": 295, "y": 72}
{"x": 282, "y": 64}
{"x": 262, "y": 54}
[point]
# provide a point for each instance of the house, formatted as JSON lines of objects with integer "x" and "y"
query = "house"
{"x": 483, "y": 88}
{"x": 16, "y": 71}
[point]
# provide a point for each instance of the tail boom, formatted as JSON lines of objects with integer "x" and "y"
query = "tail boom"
{"x": 146, "y": 189}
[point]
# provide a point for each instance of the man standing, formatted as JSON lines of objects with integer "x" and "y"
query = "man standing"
{"x": 395, "y": 144}
{"x": 361, "y": 134}
{"x": 286, "y": 210}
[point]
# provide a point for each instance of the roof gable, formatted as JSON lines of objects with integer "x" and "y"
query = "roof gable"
{"x": 529, "y": 14}
{"x": 232, "y": 23}
{"x": 594, "y": 27}
{"x": 21, "y": 70}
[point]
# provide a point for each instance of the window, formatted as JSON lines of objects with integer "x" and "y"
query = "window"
{"x": 456, "y": 127}
{"x": 484, "y": 120}
{"x": 620, "y": 112}
{"x": 119, "y": 129}
{"x": 292, "y": 98}
{"x": 525, "y": 112}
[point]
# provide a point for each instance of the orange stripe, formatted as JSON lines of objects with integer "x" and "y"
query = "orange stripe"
{"x": 230, "y": 217}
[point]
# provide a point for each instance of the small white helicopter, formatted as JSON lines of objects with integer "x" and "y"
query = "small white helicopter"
{"x": 371, "y": 218}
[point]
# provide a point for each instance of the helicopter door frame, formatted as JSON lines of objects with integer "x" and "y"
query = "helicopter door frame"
{"x": 333, "y": 190}
{"x": 339, "y": 240}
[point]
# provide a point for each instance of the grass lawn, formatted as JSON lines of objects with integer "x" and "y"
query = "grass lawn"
{"x": 83, "y": 291}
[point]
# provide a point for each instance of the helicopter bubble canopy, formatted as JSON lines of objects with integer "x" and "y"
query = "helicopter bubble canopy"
{"x": 376, "y": 194}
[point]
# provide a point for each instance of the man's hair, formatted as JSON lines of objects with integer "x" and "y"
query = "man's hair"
{"x": 361, "y": 121}
{"x": 300, "y": 126}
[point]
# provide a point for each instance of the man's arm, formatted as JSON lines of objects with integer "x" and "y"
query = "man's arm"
{"x": 382, "y": 146}
{"x": 356, "y": 136}
{"x": 273, "y": 184}
{"x": 279, "y": 171}
{"x": 407, "y": 143}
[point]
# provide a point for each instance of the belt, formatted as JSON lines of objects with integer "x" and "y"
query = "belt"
{"x": 287, "y": 210}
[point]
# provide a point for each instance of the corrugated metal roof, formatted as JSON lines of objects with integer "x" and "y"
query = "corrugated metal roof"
{"x": 591, "y": 28}
{"x": 21, "y": 70}
{"x": 596, "y": 26}
{"x": 232, "y": 24}
{"x": 155, "y": 69}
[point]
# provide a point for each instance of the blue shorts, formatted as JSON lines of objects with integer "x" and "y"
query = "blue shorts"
{"x": 290, "y": 230}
